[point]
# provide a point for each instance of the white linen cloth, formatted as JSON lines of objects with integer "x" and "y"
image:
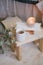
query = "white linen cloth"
{"x": 24, "y": 26}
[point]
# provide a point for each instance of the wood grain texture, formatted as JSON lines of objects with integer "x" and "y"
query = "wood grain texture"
{"x": 41, "y": 45}
{"x": 18, "y": 53}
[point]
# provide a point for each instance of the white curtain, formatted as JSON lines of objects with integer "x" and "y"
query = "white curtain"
{"x": 6, "y": 8}
{"x": 14, "y": 8}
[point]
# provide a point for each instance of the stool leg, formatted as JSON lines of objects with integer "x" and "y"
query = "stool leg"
{"x": 18, "y": 53}
{"x": 41, "y": 45}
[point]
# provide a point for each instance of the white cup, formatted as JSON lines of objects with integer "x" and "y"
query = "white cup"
{"x": 21, "y": 36}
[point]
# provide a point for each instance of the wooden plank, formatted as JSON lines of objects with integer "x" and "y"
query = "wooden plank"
{"x": 41, "y": 45}
{"x": 18, "y": 53}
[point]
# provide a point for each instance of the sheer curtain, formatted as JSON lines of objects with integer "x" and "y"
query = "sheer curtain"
{"x": 15, "y": 8}
{"x": 6, "y": 8}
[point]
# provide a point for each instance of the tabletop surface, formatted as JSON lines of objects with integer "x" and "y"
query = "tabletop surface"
{"x": 38, "y": 32}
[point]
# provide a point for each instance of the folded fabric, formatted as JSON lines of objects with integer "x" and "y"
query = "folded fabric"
{"x": 11, "y": 22}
